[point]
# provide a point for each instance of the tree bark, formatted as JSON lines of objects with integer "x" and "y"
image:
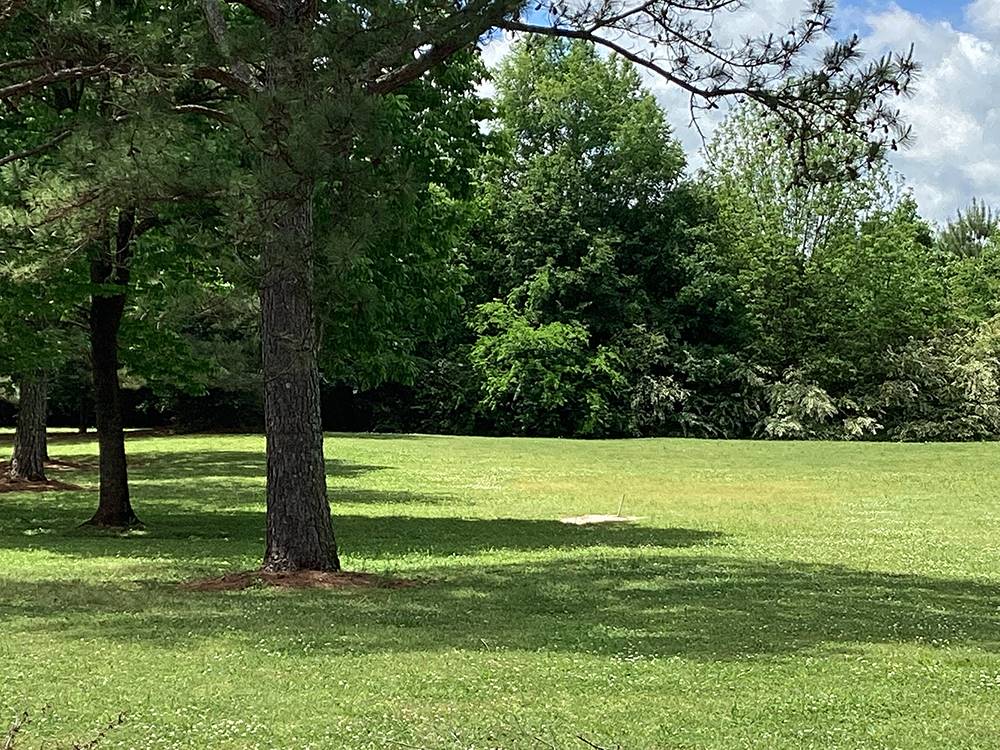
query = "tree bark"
{"x": 299, "y": 529}
{"x": 110, "y": 268}
{"x": 30, "y": 446}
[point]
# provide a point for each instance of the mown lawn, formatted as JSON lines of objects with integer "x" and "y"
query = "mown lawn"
{"x": 776, "y": 595}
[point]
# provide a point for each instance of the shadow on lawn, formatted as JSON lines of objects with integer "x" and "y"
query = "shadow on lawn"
{"x": 197, "y": 467}
{"x": 66, "y": 437}
{"x": 27, "y": 524}
{"x": 632, "y": 607}
{"x": 625, "y": 591}
{"x": 204, "y": 478}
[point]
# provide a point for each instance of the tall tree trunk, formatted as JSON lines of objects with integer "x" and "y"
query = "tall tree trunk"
{"x": 30, "y": 448}
{"x": 110, "y": 268}
{"x": 299, "y": 529}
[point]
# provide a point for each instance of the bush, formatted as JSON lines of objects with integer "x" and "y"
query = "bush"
{"x": 945, "y": 388}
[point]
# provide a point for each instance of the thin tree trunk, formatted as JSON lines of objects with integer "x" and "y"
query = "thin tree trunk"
{"x": 299, "y": 529}
{"x": 110, "y": 267}
{"x": 30, "y": 449}
{"x": 83, "y": 410}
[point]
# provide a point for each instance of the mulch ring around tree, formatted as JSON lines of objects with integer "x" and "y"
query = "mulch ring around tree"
{"x": 300, "y": 579}
{"x": 50, "y": 485}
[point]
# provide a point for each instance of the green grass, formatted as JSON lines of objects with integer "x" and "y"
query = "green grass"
{"x": 776, "y": 595}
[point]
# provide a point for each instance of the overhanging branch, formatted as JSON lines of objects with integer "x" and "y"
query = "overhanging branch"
{"x": 33, "y": 151}
{"x": 395, "y": 79}
{"x": 651, "y": 65}
{"x": 40, "y": 82}
{"x": 198, "y": 109}
{"x": 265, "y": 9}
{"x": 403, "y": 61}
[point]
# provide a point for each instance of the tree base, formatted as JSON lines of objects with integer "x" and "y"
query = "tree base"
{"x": 16, "y": 476}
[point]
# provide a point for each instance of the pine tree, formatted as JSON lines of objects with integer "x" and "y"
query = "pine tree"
{"x": 299, "y": 83}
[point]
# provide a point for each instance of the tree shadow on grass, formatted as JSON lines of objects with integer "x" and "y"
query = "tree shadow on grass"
{"x": 208, "y": 464}
{"x": 27, "y": 524}
{"x": 164, "y": 465}
{"x": 640, "y": 606}
{"x": 620, "y": 591}
{"x": 200, "y": 479}
{"x": 202, "y": 493}
{"x": 68, "y": 437}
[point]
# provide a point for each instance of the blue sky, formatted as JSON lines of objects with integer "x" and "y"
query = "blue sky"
{"x": 850, "y": 12}
{"x": 955, "y": 109}
{"x": 949, "y": 10}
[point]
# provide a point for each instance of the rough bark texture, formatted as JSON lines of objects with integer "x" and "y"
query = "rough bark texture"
{"x": 30, "y": 446}
{"x": 299, "y": 529}
{"x": 110, "y": 268}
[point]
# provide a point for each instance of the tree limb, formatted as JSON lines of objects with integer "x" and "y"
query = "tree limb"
{"x": 395, "y": 79}
{"x": 556, "y": 31}
{"x": 265, "y": 9}
{"x": 389, "y": 69}
{"x": 224, "y": 78}
{"x": 198, "y": 109}
{"x": 28, "y": 152}
{"x": 66, "y": 74}
{"x": 220, "y": 35}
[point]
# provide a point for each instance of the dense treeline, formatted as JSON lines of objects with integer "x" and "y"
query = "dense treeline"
{"x": 559, "y": 270}
{"x": 609, "y": 293}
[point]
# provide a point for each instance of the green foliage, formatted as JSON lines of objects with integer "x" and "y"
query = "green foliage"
{"x": 606, "y": 295}
{"x": 784, "y": 237}
{"x": 973, "y": 281}
{"x": 945, "y": 388}
{"x": 598, "y": 248}
{"x": 387, "y": 280}
{"x": 542, "y": 379}
{"x": 970, "y": 232}
{"x": 869, "y": 290}
{"x": 801, "y": 409}
{"x": 833, "y": 278}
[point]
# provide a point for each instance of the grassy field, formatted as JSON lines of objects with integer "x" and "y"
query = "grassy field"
{"x": 775, "y": 595}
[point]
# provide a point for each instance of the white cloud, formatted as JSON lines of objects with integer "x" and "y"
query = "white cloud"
{"x": 984, "y": 17}
{"x": 494, "y": 50}
{"x": 955, "y": 111}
